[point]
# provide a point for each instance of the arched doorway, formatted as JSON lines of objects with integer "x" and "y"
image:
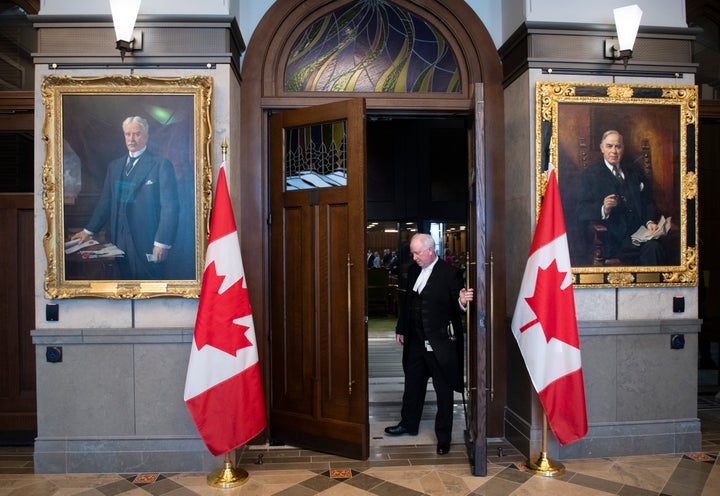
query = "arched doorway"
{"x": 478, "y": 96}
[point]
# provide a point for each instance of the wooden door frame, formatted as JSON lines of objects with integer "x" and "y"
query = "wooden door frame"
{"x": 262, "y": 92}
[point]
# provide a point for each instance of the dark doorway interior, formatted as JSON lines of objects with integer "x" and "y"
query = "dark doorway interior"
{"x": 417, "y": 170}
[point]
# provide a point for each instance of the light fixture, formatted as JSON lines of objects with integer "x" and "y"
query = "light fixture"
{"x": 124, "y": 15}
{"x": 627, "y": 22}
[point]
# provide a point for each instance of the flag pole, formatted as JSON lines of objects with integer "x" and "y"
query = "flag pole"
{"x": 544, "y": 465}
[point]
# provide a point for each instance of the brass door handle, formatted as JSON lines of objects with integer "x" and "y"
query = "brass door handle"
{"x": 349, "y": 326}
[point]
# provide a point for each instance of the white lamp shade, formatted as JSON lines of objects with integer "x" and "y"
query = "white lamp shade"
{"x": 627, "y": 22}
{"x": 124, "y": 15}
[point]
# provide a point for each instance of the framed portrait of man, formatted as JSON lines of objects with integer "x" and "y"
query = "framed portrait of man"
{"x": 626, "y": 165}
{"x": 126, "y": 185}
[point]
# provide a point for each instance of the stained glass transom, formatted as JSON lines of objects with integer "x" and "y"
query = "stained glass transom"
{"x": 315, "y": 156}
{"x": 372, "y": 46}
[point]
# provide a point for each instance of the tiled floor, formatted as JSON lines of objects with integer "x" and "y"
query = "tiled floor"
{"x": 396, "y": 471}
{"x": 402, "y": 470}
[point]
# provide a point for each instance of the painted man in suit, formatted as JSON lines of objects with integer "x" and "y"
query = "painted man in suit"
{"x": 139, "y": 206}
{"x": 430, "y": 330}
{"x": 620, "y": 196}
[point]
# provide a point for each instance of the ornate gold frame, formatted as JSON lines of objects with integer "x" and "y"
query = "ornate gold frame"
{"x": 570, "y": 118}
{"x": 112, "y": 98}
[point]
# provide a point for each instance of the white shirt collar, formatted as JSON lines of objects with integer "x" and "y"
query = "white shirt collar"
{"x": 138, "y": 153}
{"x": 424, "y": 276}
{"x": 429, "y": 268}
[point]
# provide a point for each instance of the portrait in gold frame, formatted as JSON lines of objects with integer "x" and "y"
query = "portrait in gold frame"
{"x": 84, "y": 134}
{"x": 658, "y": 125}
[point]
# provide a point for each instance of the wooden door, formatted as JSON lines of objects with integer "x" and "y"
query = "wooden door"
{"x": 318, "y": 304}
{"x": 478, "y": 276}
{"x": 18, "y": 413}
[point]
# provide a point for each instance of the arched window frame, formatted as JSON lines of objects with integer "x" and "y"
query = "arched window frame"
{"x": 472, "y": 45}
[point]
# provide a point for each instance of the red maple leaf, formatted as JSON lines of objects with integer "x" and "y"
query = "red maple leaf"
{"x": 216, "y": 313}
{"x": 554, "y": 306}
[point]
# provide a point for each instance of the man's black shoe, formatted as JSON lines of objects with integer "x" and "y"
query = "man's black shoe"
{"x": 399, "y": 430}
{"x": 443, "y": 448}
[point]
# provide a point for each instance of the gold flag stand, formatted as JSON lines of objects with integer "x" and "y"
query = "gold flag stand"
{"x": 228, "y": 476}
{"x": 544, "y": 465}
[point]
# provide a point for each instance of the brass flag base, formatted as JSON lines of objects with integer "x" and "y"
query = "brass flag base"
{"x": 545, "y": 466}
{"x": 228, "y": 476}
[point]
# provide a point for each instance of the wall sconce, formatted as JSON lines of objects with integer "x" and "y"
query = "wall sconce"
{"x": 627, "y": 22}
{"x": 124, "y": 15}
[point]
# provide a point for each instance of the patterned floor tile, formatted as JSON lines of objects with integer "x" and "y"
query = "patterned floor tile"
{"x": 399, "y": 471}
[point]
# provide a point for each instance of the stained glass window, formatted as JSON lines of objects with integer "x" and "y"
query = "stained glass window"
{"x": 372, "y": 46}
{"x": 315, "y": 156}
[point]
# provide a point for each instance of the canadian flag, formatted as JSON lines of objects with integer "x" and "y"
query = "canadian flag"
{"x": 545, "y": 325}
{"x": 223, "y": 387}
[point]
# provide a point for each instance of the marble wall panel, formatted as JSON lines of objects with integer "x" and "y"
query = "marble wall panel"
{"x": 89, "y": 393}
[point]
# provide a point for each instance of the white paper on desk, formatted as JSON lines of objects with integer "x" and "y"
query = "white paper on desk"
{"x": 75, "y": 245}
{"x": 107, "y": 250}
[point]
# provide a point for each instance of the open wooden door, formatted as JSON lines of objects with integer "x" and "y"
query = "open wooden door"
{"x": 318, "y": 276}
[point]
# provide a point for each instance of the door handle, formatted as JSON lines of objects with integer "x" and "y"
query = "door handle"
{"x": 489, "y": 326}
{"x": 468, "y": 321}
{"x": 349, "y": 326}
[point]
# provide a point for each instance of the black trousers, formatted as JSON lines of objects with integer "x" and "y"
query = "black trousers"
{"x": 421, "y": 365}
{"x": 648, "y": 253}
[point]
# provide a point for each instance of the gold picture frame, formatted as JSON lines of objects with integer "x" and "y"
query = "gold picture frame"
{"x": 659, "y": 135}
{"x": 85, "y": 135}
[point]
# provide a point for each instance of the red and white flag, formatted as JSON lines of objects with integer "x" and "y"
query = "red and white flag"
{"x": 545, "y": 325}
{"x": 223, "y": 387}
